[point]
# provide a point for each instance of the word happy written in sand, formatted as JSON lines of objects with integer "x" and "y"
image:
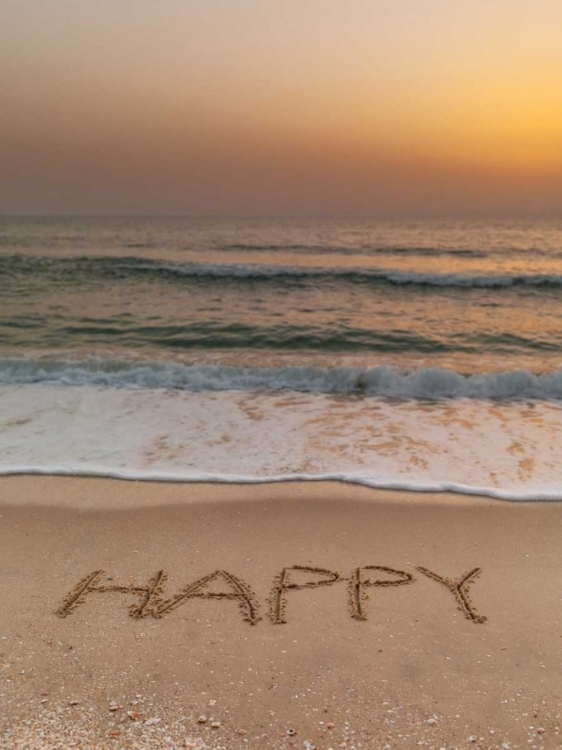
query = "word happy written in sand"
{"x": 151, "y": 601}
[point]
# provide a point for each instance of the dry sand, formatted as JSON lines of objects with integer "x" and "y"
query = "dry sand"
{"x": 137, "y": 667}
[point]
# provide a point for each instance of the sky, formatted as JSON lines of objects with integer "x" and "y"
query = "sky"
{"x": 378, "y": 108}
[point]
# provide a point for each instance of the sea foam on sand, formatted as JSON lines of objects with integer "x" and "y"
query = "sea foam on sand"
{"x": 510, "y": 450}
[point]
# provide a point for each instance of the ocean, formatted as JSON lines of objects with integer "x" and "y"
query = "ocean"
{"x": 416, "y": 355}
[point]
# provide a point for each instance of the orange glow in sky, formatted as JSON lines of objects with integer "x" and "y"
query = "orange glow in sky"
{"x": 282, "y": 107}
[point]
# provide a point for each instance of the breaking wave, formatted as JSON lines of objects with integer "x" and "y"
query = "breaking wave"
{"x": 428, "y": 383}
{"x": 125, "y": 267}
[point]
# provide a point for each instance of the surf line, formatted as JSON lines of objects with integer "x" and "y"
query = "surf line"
{"x": 151, "y": 601}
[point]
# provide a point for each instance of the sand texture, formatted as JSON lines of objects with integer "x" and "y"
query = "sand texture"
{"x": 144, "y": 615}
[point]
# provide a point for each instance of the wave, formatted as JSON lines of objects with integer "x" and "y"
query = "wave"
{"x": 42, "y": 331}
{"x": 125, "y": 267}
{"x": 194, "y": 477}
{"x": 363, "y": 275}
{"x": 423, "y": 251}
{"x": 389, "y": 382}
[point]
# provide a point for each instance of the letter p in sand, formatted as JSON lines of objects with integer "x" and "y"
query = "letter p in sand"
{"x": 283, "y": 583}
{"x": 358, "y": 583}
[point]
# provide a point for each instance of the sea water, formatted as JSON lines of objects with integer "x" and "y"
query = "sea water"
{"x": 419, "y": 355}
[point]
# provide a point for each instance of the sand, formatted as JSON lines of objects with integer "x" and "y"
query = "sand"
{"x": 107, "y": 639}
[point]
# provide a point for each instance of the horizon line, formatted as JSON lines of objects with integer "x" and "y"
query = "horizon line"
{"x": 289, "y": 217}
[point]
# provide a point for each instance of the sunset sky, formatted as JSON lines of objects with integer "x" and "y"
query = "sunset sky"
{"x": 390, "y": 108}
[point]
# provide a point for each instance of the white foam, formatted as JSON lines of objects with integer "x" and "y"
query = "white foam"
{"x": 194, "y": 478}
{"x": 504, "y": 450}
{"x": 357, "y": 273}
{"x": 424, "y": 383}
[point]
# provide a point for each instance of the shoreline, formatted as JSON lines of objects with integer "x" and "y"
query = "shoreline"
{"x": 448, "y": 491}
{"x": 343, "y": 653}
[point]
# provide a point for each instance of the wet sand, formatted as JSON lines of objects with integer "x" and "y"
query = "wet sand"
{"x": 109, "y": 636}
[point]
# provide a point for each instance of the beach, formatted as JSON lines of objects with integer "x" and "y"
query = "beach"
{"x": 280, "y": 484}
{"x": 387, "y": 647}
{"x": 281, "y": 375}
